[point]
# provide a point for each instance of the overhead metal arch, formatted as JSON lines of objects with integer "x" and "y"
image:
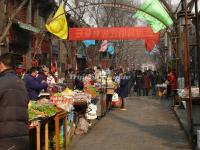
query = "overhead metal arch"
{"x": 130, "y": 8}
{"x": 115, "y": 5}
{"x": 169, "y": 8}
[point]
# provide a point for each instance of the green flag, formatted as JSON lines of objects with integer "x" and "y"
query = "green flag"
{"x": 161, "y": 18}
{"x": 155, "y": 24}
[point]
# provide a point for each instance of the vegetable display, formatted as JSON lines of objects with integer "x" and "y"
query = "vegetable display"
{"x": 41, "y": 110}
{"x": 92, "y": 91}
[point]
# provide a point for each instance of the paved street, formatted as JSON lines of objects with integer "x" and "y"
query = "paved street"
{"x": 148, "y": 124}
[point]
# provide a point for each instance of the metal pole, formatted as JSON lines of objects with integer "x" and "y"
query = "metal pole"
{"x": 197, "y": 41}
{"x": 187, "y": 69}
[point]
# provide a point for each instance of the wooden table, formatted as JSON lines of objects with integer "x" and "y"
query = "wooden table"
{"x": 58, "y": 117}
{"x": 37, "y": 126}
{"x": 194, "y": 99}
{"x": 46, "y": 131}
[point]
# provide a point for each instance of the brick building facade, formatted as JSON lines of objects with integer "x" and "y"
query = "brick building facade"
{"x": 26, "y": 40}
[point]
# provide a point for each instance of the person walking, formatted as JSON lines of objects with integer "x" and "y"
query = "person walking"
{"x": 154, "y": 81}
{"x": 138, "y": 85}
{"x": 14, "y": 134}
{"x": 123, "y": 89}
{"x": 146, "y": 84}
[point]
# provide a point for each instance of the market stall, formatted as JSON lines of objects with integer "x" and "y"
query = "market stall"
{"x": 183, "y": 95}
{"x": 39, "y": 115}
{"x": 63, "y": 112}
{"x": 59, "y": 106}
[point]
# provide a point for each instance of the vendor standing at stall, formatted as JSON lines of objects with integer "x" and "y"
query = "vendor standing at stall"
{"x": 45, "y": 76}
{"x": 14, "y": 133}
{"x": 34, "y": 86}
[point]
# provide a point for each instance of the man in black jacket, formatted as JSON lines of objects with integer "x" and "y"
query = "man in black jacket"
{"x": 13, "y": 107}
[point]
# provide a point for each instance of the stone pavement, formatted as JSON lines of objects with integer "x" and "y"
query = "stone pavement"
{"x": 148, "y": 124}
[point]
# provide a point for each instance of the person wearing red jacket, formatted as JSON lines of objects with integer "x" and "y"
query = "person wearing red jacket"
{"x": 172, "y": 83}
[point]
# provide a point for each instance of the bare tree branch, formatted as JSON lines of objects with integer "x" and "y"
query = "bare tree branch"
{"x": 7, "y": 28}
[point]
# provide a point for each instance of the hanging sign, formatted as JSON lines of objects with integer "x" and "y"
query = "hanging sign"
{"x": 114, "y": 33}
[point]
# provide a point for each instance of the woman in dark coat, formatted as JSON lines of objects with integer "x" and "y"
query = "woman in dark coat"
{"x": 123, "y": 89}
{"x": 146, "y": 84}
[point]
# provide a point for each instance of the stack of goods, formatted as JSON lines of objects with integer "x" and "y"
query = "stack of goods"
{"x": 92, "y": 91}
{"x": 66, "y": 103}
{"x": 76, "y": 95}
{"x": 184, "y": 93}
{"x": 67, "y": 98}
{"x": 37, "y": 110}
{"x": 80, "y": 96}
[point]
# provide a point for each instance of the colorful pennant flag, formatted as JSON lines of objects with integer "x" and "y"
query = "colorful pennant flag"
{"x": 89, "y": 42}
{"x": 111, "y": 49}
{"x": 155, "y": 51}
{"x": 154, "y": 8}
{"x": 104, "y": 46}
{"x": 150, "y": 43}
{"x": 58, "y": 26}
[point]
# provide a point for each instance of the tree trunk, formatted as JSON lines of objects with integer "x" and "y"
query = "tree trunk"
{"x": 11, "y": 19}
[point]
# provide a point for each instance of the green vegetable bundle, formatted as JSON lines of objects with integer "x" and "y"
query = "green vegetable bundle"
{"x": 47, "y": 109}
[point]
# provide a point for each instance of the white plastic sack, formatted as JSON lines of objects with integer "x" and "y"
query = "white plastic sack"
{"x": 82, "y": 126}
{"x": 115, "y": 97}
{"x": 91, "y": 112}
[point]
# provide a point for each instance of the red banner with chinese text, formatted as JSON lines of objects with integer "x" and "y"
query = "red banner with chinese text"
{"x": 114, "y": 33}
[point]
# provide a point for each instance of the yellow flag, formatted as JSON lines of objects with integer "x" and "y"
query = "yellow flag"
{"x": 58, "y": 26}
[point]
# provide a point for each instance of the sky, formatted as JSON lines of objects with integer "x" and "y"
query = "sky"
{"x": 90, "y": 21}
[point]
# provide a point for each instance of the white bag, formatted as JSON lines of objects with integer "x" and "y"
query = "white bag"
{"x": 115, "y": 97}
{"x": 82, "y": 126}
{"x": 91, "y": 112}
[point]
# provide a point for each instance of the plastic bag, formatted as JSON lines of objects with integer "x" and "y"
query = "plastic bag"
{"x": 82, "y": 126}
{"x": 91, "y": 112}
{"x": 116, "y": 102}
{"x": 115, "y": 97}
